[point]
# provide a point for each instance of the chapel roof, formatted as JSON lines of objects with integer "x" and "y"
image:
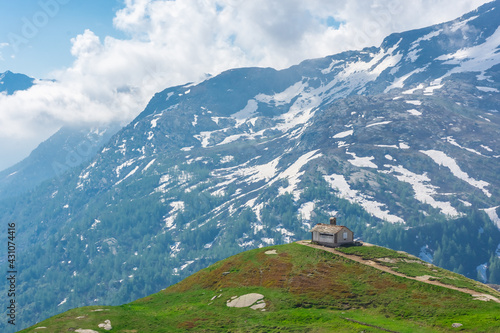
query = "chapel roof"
{"x": 327, "y": 228}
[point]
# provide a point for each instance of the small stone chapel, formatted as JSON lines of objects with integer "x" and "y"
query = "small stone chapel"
{"x": 331, "y": 235}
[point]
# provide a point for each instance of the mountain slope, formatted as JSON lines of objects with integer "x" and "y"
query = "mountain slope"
{"x": 66, "y": 149}
{"x": 12, "y": 82}
{"x": 400, "y": 141}
{"x": 294, "y": 288}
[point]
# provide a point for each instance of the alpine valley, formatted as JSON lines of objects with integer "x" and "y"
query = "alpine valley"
{"x": 401, "y": 142}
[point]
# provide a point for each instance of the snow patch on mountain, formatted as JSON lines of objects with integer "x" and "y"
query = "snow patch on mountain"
{"x": 477, "y": 58}
{"x": 154, "y": 122}
{"x": 149, "y": 165}
{"x": 487, "y": 89}
{"x": 128, "y": 175}
{"x": 429, "y": 36}
{"x": 387, "y": 146}
{"x": 165, "y": 178}
{"x": 379, "y": 123}
{"x": 257, "y": 209}
{"x": 247, "y": 112}
{"x": 123, "y": 147}
{"x": 284, "y": 97}
{"x": 452, "y": 141}
{"x": 413, "y": 54}
{"x": 424, "y": 190}
{"x": 268, "y": 241}
{"x": 293, "y": 173}
{"x": 362, "y": 162}
{"x": 301, "y": 111}
{"x": 258, "y": 173}
{"x": 399, "y": 82}
{"x": 487, "y": 148}
{"x": 177, "y": 207}
{"x": 442, "y": 159}
{"x": 305, "y": 210}
{"x": 429, "y": 91}
{"x": 412, "y": 91}
{"x": 357, "y": 74}
{"x": 465, "y": 203}
{"x": 488, "y": 120}
{"x": 204, "y": 138}
{"x": 82, "y": 178}
{"x": 227, "y": 159}
{"x": 339, "y": 183}
{"x": 249, "y": 243}
{"x": 353, "y": 76}
{"x": 344, "y": 134}
{"x": 287, "y": 235}
{"x": 218, "y": 193}
{"x": 197, "y": 159}
{"x": 187, "y": 263}
{"x": 492, "y": 214}
{"x": 236, "y": 137}
{"x": 461, "y": 24}
{"x": 175, "y": 249}
{"x": 306, "y": 213}
{"x": 126, "y": 164}
{"x": 414, "y": 112}
{"x": 63, "y": 301}
{"x": 96, "y": 222}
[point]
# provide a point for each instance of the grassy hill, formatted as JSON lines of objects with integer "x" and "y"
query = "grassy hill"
{"x": 297, "y": 288}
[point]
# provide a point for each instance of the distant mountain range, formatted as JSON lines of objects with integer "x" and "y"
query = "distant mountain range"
{"x": 400, "y": 141}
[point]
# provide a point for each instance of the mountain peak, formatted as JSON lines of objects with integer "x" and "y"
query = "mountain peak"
{"x": 11, "y": 82}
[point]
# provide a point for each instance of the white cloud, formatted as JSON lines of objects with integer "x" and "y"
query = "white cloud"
{"x": 173, "y": 42}
{"x": 86, "y": 45}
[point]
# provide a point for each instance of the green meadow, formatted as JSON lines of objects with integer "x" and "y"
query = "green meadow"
{"x": 304, "y": 290}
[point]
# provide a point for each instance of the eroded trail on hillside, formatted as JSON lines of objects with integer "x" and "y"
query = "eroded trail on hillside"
{"x": 424, "y": 278}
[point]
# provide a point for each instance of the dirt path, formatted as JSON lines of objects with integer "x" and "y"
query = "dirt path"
{"x": 425, "y": 278}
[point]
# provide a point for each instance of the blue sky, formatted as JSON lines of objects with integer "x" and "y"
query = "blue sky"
{"x": 107, "y": 58}
{"x": 56, "y": 23}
